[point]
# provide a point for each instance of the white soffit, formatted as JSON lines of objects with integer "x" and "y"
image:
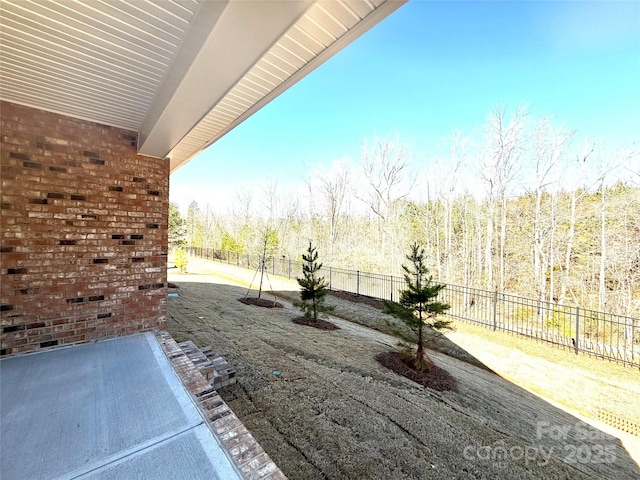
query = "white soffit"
{"x": 182, "y": 73}
{"x": 101, "y": 61}
{"x": 324, "y": 29}
{"x": 242, "y": 33}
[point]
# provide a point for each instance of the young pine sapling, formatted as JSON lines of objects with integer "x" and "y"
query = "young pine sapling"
{"x": 418, "y": 306}
{"x": 313, "y": 288}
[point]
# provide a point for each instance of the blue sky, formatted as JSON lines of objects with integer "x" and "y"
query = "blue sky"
{"x": 432, "y": 67}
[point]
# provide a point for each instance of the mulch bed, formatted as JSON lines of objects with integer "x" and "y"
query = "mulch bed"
{"x": 260, "y": 302}
{"x": 319, "y": 324}
{"x": 352, "y": 297}
{"x": 436, "y": 378}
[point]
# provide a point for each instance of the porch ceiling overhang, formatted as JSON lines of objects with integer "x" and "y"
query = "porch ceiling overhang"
{"x": 182, "y": 73}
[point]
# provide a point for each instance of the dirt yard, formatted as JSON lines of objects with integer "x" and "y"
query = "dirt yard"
{"x": 334, "y": 412}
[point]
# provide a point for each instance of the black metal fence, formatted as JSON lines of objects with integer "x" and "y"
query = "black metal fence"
{"x": 604, "y": 335}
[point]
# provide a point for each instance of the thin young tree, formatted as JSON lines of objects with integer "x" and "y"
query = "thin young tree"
{"x": 503, "y": 150}
{"x": 269, "y": 248}
{"x": 418, "y": 307}
{"x": 387, "y": 172}
{"x": 314, "y": 288}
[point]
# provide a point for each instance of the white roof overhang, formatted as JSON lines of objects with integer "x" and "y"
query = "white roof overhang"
{"x": 182, "y": 73}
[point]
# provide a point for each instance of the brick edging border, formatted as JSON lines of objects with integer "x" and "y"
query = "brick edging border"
{"x": 244, "y": 450}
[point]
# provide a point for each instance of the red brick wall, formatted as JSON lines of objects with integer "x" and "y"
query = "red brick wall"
{"x": 83, "y": 232}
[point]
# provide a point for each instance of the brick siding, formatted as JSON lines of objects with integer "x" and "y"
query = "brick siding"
{"x": 83, "y": 237}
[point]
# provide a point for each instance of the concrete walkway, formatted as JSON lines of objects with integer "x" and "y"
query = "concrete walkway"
{"x": 111, "y": 409}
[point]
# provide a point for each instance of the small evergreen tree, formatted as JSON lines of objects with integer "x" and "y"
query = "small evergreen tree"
{"x": 177, "y": 230}
{"x": 314, "y": 288}
{"x": 181, "y": 260}
{"x": 417, "y": 306}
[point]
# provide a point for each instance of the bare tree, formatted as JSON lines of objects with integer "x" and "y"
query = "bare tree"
{"x": 242, "y": 208}
{"x": 623, "y": 266}
{"x": 549, "y": 144}
{"x": 622, "y": 157}
{"x": 208, "y": 223}
{"x": 193, "y": 222}
{"x": 457, "y": 154}
{"x": 504, "y": 147}
{"x": 441, "y": 180}
{"x": 291, "y": 225}
{"x": 387, "y": 172}
{"x": 335, "y": 185}
{"x": 573, "y": 237}
{"x": 577, "y": 192}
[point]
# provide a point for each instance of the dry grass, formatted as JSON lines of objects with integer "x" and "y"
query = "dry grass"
{"x": 335, "y": 412}
{"x": 584, "y": 384}
{"x": 559, "y": 356}
{"x": 367, "y": 312}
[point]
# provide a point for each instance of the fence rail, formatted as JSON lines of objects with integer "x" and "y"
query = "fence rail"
{"x": 589, "y": 332}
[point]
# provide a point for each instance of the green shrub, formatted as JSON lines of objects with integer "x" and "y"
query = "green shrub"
{"x": 181, "y": 261}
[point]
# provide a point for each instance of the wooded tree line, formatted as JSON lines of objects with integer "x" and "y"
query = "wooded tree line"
{"x": 526, "y": 209}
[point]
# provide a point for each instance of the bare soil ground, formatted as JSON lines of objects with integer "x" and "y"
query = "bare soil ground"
{"x": 335, "y": 412}
{"x": 260, "y": 302}
{"x": 320, "y": 324}
{"x": 436, "y": 378}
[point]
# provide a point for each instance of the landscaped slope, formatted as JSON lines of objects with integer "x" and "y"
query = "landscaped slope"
{"x": 331, "y": 411}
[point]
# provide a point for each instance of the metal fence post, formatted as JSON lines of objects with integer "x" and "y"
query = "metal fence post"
{"x": 495, "y": 310}
{"x": 391, "y": 278}
{"x": 576, "y": 340}
{"x": 357, "y": 283}
{"x": 330, "y": 275}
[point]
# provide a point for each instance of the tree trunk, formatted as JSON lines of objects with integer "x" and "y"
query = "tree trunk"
{"x": 569, "y": 250}
{"x": 488, "y": 254}
{"x": 602, "y": 295}
{"x": 551, "y": 253}
{"x": 539, "y": 272}
{"x": 503, "y": 239}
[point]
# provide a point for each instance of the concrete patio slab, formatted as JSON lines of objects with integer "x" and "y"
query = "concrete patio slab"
{"x": 111, "y": 409}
